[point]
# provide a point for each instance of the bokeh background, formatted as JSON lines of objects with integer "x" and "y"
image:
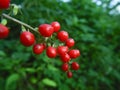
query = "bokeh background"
{"x": 95, "y": 26}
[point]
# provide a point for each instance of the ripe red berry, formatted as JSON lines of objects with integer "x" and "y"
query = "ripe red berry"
{"x": 62, "y": 50}
{"x": 62, "y": 36}
{"x": 74, "y": 53}
{"x": 69, "y": 74}
{"x": 44, "y": 45}
{"x": 65, "y": 58}
{"x": 46, "y": 30}
{"x": 78, "y": 52}
{"x": 56, "y": 26}
{"x": 4, "y": 4}
{"x": 38, "y": 48}
{"x": 27, "y": 38}
{"x": 70, "y": 42}
{"x": 75, "y": 66}
{"x": 65, "y": 67}
{"x": 51, "y": 52}
{"x": 4, "y": 31}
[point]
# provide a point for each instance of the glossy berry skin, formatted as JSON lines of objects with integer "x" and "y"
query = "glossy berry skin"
{"x": 62, "y": 36}
{"x": 62, "y": 50}
{"x": 56, "y": 26}
{"x": 46, "y": 30}
{"x": 51, "y": 52}
{"x": 4, "y": 4}
{"x": 78, "y": 52}
{"x": 65, "y": 67}
{"x": 70, "y": 42}
{"x": 4, "y": 31}
{"x": 75, "y": 66}
{"x": 65, "y": 58}
{"x": 27, "y": 38}
{"x": 69, "y": 74}
{"x": 74, "y": 53}
{"x": 38, "y": 48}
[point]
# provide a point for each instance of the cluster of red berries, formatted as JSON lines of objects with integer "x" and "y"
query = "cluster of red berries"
{"x": 66, "y": 55}
{"x": 46, "y": 31}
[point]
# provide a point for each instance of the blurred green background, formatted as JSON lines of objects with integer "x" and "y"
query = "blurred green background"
{"x": 96, "y": 30}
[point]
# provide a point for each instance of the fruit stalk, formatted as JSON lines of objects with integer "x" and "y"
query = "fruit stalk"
{"x": 19, "y": 22}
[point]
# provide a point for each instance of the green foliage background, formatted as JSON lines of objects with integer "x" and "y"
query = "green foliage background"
{"x": 97, "y": 35}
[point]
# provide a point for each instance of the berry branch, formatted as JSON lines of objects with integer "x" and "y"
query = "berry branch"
{"x": 20, "y": 22}
{"x": 47, "y": 34}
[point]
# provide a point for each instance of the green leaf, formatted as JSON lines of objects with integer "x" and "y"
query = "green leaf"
{"x": 11, "y": 82}
{"x": 33, "y": 80}
{"x": 2, "y": 53}
{"x": 4, "y": 21}
{"x": 23, "y": 28}
{"x": 15, "y": 10}
{"x": 30, "y": 70}
{"x": 49, "y": 82}
{"x": 51, "y": 67}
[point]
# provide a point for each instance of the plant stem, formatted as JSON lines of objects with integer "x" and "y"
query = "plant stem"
{"x": 20, "y": 22}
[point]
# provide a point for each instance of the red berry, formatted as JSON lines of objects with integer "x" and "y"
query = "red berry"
{"x": 74, "y": 53}
{"x": 62, "y": 50}
{"x": 65, "y": 58}
{"x": 27, "y": 38}
{"x": 78, "y": 53}
{"x": 65, "y": 67}
{"x": 70, "y": 42}
{"x": 38, "y": 48}
{"x": 4, "y": 4}
{"x": 69, "y": 74}
{"x": 75, "y": 66}
{"x": 44, "y": 45}
{"x": 62, "y": 36}
{"x": 51, "y": 52}
{"x": 56, "y": 26}
{"x": 4, "y": 31}
{"x": 46, "y": 30}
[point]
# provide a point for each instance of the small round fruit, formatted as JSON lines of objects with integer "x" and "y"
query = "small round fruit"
{"x": 38, "y": 48}
{"x": 65, "y": 67}
{"x": 65, "y": 58}
{"x": 62, "y": 36}
{"x": 74, "y": 53}
{"x": 75, "y": 66}
{"x": 4, "y": 31}
{"x": 46, "y": 30}
{"x": 51, "y": 52}
{"x": 78, "y": 52}
{"x": 56, "y": 26}
{"x": 27, "y": 38}
{"x": 69, "y": 74}
{"x": 4, "y": 4}
{"x": 70, "y": 42}
{"x": 62, "y": 50}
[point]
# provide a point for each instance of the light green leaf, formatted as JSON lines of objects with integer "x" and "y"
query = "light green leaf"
{"x": 30, "y": 70}
{"x": 23, "y": 28}
{"x": 15, "y": 10}
{"x": 49, "y": 82}
{"x": 4, "y": 21}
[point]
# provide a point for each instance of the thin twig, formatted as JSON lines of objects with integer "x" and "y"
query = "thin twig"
{"x": 20, "y": 22}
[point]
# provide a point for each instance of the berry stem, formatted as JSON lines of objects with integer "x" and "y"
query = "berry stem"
{"x": 19, "y": 22}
